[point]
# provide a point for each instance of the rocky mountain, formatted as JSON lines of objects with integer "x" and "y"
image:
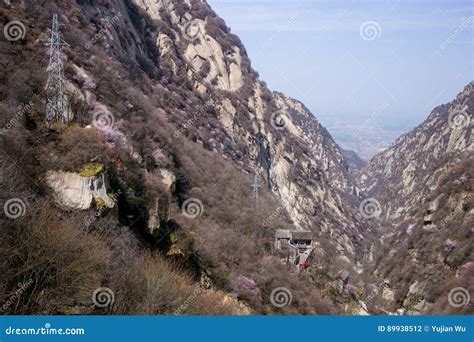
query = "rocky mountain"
{"x": 174, "y": 165}
{"x": 354, "y": 161}
{"x": 167, "y": 128}
{"x": 422, "y": 188}
{"x": 410, "y": 170}
{"x": 281, "y": 137}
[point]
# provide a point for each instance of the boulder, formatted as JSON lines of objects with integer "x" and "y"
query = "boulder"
{"x": 74, "y": 191}
{"x": 168, "y": 179}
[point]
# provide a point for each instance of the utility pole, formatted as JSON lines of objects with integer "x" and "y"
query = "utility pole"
{"x": 57, "y": 107}
{"x": 366, "y": 254}
{"x": 255, "y": 185}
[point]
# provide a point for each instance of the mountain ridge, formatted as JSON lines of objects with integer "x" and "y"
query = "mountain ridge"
{"x": 166, "y": 102}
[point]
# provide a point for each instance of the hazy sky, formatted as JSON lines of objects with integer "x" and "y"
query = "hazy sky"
{"x": 411, "y": 56}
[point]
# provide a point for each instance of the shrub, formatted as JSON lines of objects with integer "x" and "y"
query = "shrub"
{"x": 64, "y": 263}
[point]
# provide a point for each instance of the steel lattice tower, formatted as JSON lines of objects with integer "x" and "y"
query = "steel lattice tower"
{"x": 255, "y": 185}
{"x": 366, "y": 254}
{"x": 57, "y": 108}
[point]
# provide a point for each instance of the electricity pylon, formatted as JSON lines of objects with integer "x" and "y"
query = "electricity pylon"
{"x": 57, "y": 107}
{"x": 255, "y": 185}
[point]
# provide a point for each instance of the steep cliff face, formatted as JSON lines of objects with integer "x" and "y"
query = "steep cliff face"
{"x": 424, "y": 187}
{"x": 407, "y": 173}
{"x": 296, "y": 156}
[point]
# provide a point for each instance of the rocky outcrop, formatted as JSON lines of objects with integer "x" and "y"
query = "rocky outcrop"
{"x": 168, "y": 179}
{"x": 73, "y": 191}
{"x": 203, "y": 53}
{"x": 154, "y": 219}
{"x": 159, "y": 211}
{"x": 203, "y": 50}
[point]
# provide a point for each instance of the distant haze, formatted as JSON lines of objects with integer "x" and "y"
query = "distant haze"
{"x": 411, "y": 56}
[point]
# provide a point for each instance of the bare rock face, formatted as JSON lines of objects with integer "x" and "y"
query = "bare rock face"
{"x": 168, "y": 179}
{"x": 425, "y": 186}
{"x": 159, "y": 210}
{"x": 406, "y": 174}
{"x": 154, "y": 220}
{"x": 203, "y": 54}
{"x": 73, "y": 191}
{"x": 296, "y": 157}
{"x": 225, "y": 69}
